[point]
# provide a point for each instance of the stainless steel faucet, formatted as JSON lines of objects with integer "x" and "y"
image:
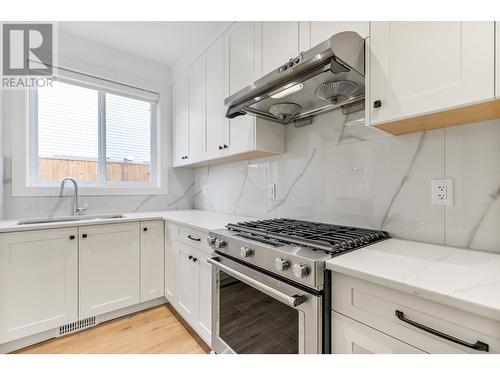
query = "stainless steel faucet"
{"x": 77, "y": 210}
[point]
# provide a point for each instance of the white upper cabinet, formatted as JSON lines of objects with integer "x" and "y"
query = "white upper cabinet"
{"x": 315, "y": 32}
{"x": 180, "y": 120}
{"x": 152, "y": 260}
{"x": 280, "y": 42}
{"x": 38, "y": 281}
{"x": 196, "y": 105}
{"x": 109, "y": 268}
{"x": 216, "y": 120}
{"x": 423, "y": 67}
{"x": 497, "y": 58}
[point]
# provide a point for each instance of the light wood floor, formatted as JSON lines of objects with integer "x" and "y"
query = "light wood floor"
{"x": 157, "y": 330}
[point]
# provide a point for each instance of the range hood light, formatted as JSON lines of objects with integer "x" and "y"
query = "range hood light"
{"x": 288, "y": 91}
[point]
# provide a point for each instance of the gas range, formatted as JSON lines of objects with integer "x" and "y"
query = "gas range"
{"x": 271, "y": 292}
{"x": 293, "y": 249}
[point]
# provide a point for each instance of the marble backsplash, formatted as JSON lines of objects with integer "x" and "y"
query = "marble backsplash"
{"x": 354, "y": 175}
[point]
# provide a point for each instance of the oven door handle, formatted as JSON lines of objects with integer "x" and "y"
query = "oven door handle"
{"x": 292, "y": 301}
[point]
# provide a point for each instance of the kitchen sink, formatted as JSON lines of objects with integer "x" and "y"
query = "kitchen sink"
{"x": 62, "y": 219}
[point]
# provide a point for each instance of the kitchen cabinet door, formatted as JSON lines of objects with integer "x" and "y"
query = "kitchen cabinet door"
{"x": 152, "y": 260}
{"x": 38, "y": 281}
{"x": 197, "y": 110}
{"x": 204, "y": 322}
{"x": 243, "y": 62}
{"x": 187, "y": 282}
{"x": 423, "y": 67}
{"x": 280, "y": 43}
{"x": 497, "y": 58}
{"x": 180, "y": 119}
{"x": 109, "y": 268}
{"x": 171, "y": 235}
{"x": 216, "y": 120}
{"x": 352, "y": 337}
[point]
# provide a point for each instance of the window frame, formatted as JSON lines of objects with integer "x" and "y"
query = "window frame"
{"x": 101, "y": 186}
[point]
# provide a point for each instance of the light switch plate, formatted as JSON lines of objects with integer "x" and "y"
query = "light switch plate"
{"x": 442, "y": 192}
{"x": 271, "y": 191}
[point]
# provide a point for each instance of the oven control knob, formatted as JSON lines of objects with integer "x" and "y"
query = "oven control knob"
{"x": 300, "y": 271}
{"x": 246, "y": 252}
{"x": 211, "y": 240}
{"x": 219, "y": 244}
{"x": 281, "y": 264}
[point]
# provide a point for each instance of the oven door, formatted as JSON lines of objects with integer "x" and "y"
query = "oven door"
{"x": 255, "y": 313}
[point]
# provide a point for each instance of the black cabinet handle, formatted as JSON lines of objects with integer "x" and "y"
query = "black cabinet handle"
{"x": 195, "y": 259}
{"x": 84, "y": 235}
{"x": 194, "y": 238}
{"x": 72, "y": 237}
{"x": 377, "y": 104}
{"x": 145, "y": 229}
{"x": 220, "y": 147}
{"x": 225, "y": 146}
{"x": 481, "y": 346}
{"x": 190, "y": 257}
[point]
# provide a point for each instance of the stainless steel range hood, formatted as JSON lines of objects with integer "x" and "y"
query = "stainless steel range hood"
{"x": 328, "y": 76}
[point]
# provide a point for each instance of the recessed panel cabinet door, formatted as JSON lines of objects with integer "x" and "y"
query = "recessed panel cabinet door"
{"x": 497, "y": 59}
{"x": 171, "y": 235}
{"x": 152, "y": 260}
{"x": 196, "y": 113}
{"x": 38, "y": 281}
{"x": 205, "y": 297}
{"x": 280, "y": 42}
{"x": 187, "y": 282}
{"x": 215, "y": 100}
{"x": 109, "y": 268}
{"x": 423, "y": 67}
{"x": 180, "y": 119}
{"x": 242, "y": 46}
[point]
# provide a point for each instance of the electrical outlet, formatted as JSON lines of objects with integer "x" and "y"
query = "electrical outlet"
{"x": 271, "y": 191}
{"x": 442, "y": 192}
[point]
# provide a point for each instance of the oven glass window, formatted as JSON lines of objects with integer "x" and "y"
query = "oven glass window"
{"x": 252, "y": 322}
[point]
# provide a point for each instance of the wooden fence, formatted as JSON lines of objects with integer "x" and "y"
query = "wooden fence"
{"x": 86, "y": 170}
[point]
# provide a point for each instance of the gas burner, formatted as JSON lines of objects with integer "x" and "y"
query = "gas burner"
{"x": 333, "y": 239}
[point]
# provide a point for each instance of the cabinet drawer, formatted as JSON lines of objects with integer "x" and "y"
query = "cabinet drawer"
{"x": 194, "y": 238}
{"x": 351, "y": 337}
{"x": 376, "y": 306}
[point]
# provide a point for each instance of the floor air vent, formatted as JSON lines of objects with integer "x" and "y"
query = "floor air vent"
{"x": 77, "y": 326}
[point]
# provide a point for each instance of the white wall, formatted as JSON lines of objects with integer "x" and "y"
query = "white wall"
{"x": 87, "y": 57}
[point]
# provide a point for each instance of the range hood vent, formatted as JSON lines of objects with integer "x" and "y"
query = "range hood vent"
{"x": 328, "y": 76}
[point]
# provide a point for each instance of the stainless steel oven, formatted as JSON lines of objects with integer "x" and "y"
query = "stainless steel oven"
{"x": 256, "y": 312}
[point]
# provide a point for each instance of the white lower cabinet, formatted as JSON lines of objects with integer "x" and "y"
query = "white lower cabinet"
{"x": 38, "y": 281}
{"x": 189, "y": 280}
{"x": 152, "y": 260}
{"x": 109, "y": 268}
{"x": 352, "y": 337}
{"x": 384, "y": 312}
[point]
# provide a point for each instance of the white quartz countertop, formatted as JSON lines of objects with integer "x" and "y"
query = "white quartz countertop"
{"x": 198, "y": 219}
{"x": 465, "y": 279}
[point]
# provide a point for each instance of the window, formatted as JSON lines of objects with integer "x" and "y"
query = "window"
{"x": 97, "y": 135}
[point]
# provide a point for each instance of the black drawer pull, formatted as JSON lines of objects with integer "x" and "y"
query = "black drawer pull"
{"x": 377, "y": 104}
{"x": 481, "y": 346}
{"x": 84, "y": 235}
{"x": 72, "y": 237}
{"x": 145, "y": 229}
{"x": 194, "y": 238}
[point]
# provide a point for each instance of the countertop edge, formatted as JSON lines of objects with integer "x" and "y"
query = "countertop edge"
{"x": 462, "y": 304}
